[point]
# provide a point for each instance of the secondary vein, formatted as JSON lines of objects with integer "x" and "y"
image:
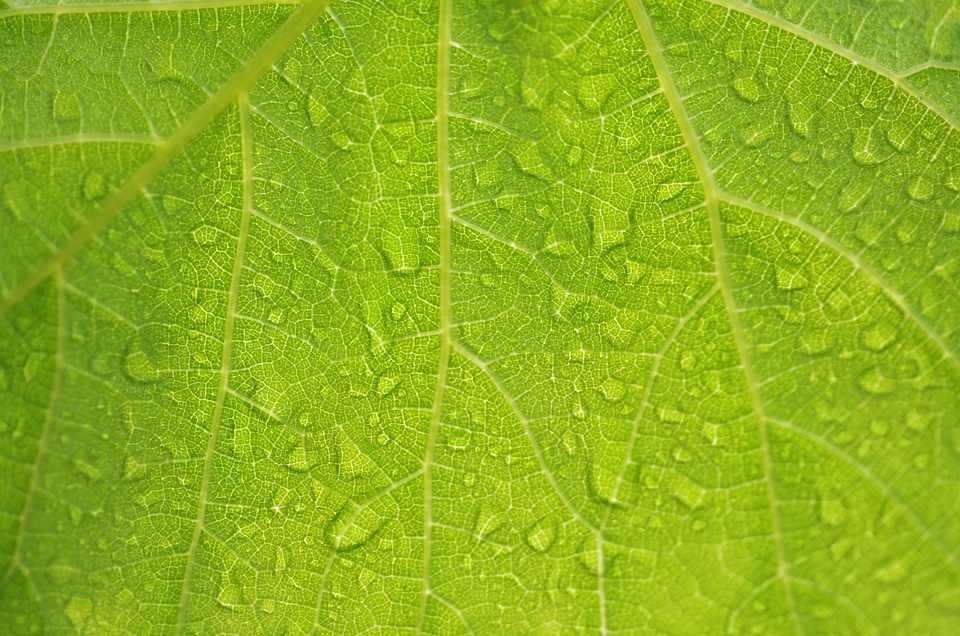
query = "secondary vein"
{"x": 246, "y": 143}
{"x": 712, "y": 197}
{"x": 241, "y": 82}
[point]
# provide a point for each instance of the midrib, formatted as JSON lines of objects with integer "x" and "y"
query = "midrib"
{"x": 712, "y": 197}
{"x": 444, "y": 219}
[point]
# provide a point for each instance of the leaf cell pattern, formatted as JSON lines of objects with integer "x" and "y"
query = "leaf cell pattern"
{"x": 466, "y": 317}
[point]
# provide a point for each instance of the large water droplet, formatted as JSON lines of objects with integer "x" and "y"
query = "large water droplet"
{"x": 138, "y": 366}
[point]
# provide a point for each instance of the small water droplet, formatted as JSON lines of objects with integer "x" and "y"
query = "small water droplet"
{"x": 469, "y": 479}
{"x": 569, "y": 440}
{"x": 790, "y": 278}
{"x": 800, "y": 116}
{"x": 668, "y": 191}
{"x": 832, "y": 512}
{"x": 879, "y": 336}
{"x": 296, "y": 459}
{"x": 541, "y": 535}
{"x": 229, "y": 595}
{"x": 386, "y": 384}
{"x": 382, "y": 439}
{"x": 205, "y": 235}
{"x": 686, "y": 491}
{"x": 364, "y": 526}
{"x": 863, "y": 148}
{"x": 613, "y": 390}
{"x": 853, "y": 195}
{"x": 875, "y": 383}
{"x": 920, "y": 189}
{"x": 138, "y": 366}
{"x": 66, "y": 107}
{"x": 94, "y": 186}
{"x": 747, "y": 88}
{"x": 488, "y": 280}
{"x": 340, "y": 140}
{"x": 276, "y": 314}
{"x": 892, "y": 572}
{"x": 699, "y": 525}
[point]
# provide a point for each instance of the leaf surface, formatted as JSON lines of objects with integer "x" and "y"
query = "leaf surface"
{"x": 467, "y": 317}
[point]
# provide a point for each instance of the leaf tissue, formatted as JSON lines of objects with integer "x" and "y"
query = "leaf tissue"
{"x": 480, "y": 317}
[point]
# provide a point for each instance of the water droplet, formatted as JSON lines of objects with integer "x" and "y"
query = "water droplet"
{"x": 139, "y": 368}
{"x": 469, "y": 479}
{"x": 747, "y": 89}
{"x": 345, "y": 535}
{"x": 94, "y": 186}
{"x": 340, "y": 140}
{"x": 875, "y": 383}
{"x": 920, "y": 189}
{"x": 573, "y": 156}
{"x": 541, "y": 535}
{"x": 280, "y": 560}
{"x": 297, "y": 457}
{"x": 864, "y": 149}
{"x": 853, "y": 195}
{"x": 402, "y": 248}
{"x": 800, "y": 116}
{"x": 879, "y": 336}
{"x": 89, "y": 470}
{"x": 613, "y": 390}
{"x": 790, "y": 278}
{"x": 205, "y": 235}
{"x": 229, "y": 595}
{"x": 840, "y": 549}
{"x": 386, "y": 384}
{"x": 488, "y": 280}
{"x": 486, "y": 523}
{"x": 892, "y": 572}
{"x": 352, "y": 462}
{"x": 879, "y": 428}
{"x": 276, "y": 314}
{"x": 457, "y": 438}
{"x": 79, "y": 611}
{"x": 668, "y": 191}
{"x": 686, "y": 491}
{"x": 953, "y": 181}
{"x": 682, "y": 455}
{"x": 699, "y": 525}
{"x": 382, "y": 439}
{"x": 898, "y": 134}
{"x": 832, "y": 512}
{"x": 569, "y": 440}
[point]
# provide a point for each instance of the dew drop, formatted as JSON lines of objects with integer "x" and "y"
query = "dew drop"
{"x": 205, "y": 235}
{"x": 668, "y": 191}
{"x": 747, "y": 89}
{"x": 688, "y": 361}
{"x": 363, "y": 527}
{"x": 296, "y": 459}
{"x": 386, "y": 384}
{"x": 89, "y": 470}
{"x": 229, "y": 595}
{"x": 699, "y": 525}
{"x": 892, "y": 572}
{"x": 488, "y": 280}
{"x": 276, "y": 314}
{"x": 863, "y": 148}
{"x": 790, "y": 279}
{"x": 138, "y": 367}
{"x": 832, "y": 512}
{"x": 686, "y": 491}
{"x": 875, "y": 383}
{"x": 613, "y": 390}
{"x": 94, "y": 186}
{"x": 340, "y": 140}
{"x": 541, "y": 535}
{"x": 800, "y": 116}
{"x": 879, "y": 336}
{"x": 853, "y": 195}
{"x": 920, "y": 189}
{"x": 569, "y": 441}
{"x": 382, "y": 439}
{"x": 469, "y": 479}
{"x": 79, "y": 611}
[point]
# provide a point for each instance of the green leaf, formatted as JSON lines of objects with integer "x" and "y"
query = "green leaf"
{"x": 480, "y": 317}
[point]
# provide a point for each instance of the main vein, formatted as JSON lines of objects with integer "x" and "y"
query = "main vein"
{"x": 711, "y": 195}
{"x": 241, "y": 82}
{"x": 246, "y": 143}
{"x": 443, "y": 187}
